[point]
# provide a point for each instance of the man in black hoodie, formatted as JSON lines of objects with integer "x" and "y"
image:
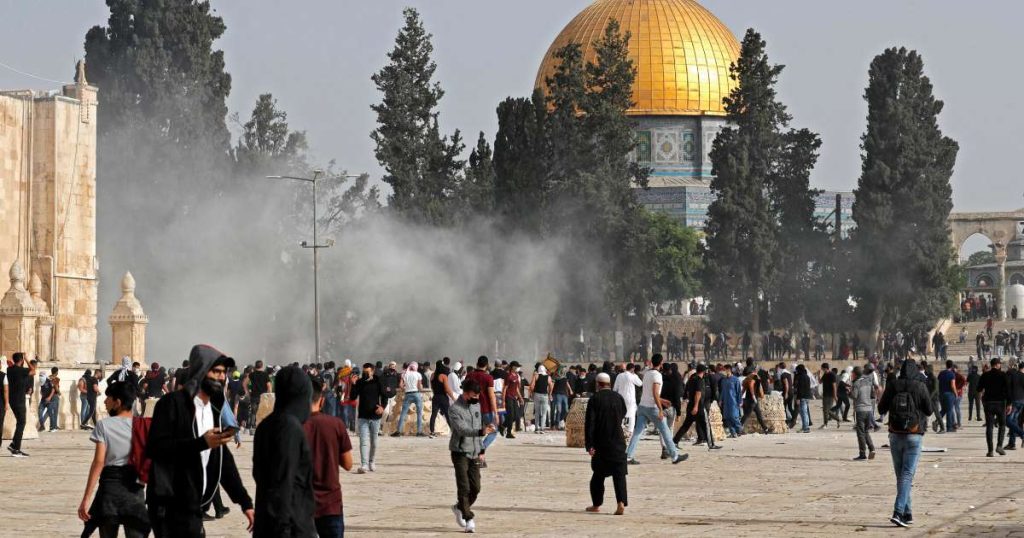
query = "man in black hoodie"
{"x": 186, "y": 445}
{"x": 282, "y": 462}
{"x": 909, "y": 405}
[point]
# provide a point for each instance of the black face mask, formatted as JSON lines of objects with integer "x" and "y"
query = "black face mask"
{"x": 366, "y": 375}
{"x": 472, "y": 401}
{"x": 211, "y": 387}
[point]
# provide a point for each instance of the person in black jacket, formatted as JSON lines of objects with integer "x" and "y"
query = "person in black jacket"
{"x": 604, "y": 442}
{"x": 994, "y": 390}
{"x": 186, "y": 445}
{"x": 909, "y": 392}
{"x": 282, "y": 462}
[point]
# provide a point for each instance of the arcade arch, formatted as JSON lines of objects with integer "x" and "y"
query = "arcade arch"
{"x": 1000, "y": 228}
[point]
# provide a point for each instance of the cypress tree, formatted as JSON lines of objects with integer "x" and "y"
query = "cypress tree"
{"x": 741, "y": 228}
{"x": 903, "y": 199}
{"x": 520, "y": 190}
{"x": 421, "y": 165}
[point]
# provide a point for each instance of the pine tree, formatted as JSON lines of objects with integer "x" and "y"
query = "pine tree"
{"x": 422, "y": 166}
{"x": 903, "y": 199}
{"x": 267, "y": 145}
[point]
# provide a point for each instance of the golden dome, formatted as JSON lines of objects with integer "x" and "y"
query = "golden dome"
{"x": 681, "y": 52}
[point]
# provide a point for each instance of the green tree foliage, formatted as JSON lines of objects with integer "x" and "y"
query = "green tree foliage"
{"x": 903, "y": 199}
{"x": 267, "y": 145}
{"x": 520, "y": 189}
{"x": 761, "y": 234}
{"x": 982, "y": 257}
{"x": 159, "y": 72}
{"x": 422, "y": 167}
{"x": 476, "y": 191}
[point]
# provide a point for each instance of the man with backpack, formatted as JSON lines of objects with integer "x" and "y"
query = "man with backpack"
{"x": 908, "y": 404}
{"x": 49, "y": 400}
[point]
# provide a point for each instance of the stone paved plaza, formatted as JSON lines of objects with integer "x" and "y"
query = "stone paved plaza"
{"x": 785, "y": 485}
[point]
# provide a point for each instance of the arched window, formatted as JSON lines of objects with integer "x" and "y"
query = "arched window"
{"x": 985, "y": 280}
{"x": 1017, "y": 278}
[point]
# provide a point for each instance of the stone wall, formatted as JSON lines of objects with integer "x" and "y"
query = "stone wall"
{"x": 48, "y": 207}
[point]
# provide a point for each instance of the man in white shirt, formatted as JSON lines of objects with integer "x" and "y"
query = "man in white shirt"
{"x": 651, "y": 410}
{"x": 625, "y": 386}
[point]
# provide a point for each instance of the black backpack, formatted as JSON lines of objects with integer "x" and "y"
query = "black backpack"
{"x": 903, "y": 415}
{"x": 46, "y": 388}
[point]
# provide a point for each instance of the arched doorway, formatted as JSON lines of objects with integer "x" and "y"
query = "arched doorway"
{"x": 998, "y": 229}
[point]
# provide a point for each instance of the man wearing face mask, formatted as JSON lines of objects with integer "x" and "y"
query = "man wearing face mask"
{"x": 467, "y": 430}
{"x": 372, "y": 396}
{"x": 187, "y": 446}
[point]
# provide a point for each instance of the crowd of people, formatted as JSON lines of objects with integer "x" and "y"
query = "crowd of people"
{"x": 165, "y": 474}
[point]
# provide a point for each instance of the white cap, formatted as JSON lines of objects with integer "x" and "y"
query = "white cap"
{"x": 457, "y": 367}
{"x": 604, "y": 378}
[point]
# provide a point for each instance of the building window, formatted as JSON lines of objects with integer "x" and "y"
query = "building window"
{"x": 1017, "y": 278}
{"x": 643, "y": 146}
{"x": 984, "y": 281}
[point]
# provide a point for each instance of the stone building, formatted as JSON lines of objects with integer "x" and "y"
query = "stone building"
{"x": 48, "y": 221}
{"x": 682, "y": 54}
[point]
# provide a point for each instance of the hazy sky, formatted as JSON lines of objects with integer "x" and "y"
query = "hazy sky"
{"x": 316, "y": 57}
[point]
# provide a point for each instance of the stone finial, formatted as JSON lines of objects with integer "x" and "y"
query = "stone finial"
{"x": 17, "y": 274}
{"x": 80, "y": 73}
{"x": 17, "y": 301}
{"x": 128, "y": 284}
{"x": 35, "y": 289}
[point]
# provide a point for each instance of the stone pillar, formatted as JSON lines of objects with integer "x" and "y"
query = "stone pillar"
{"x": 18, "y": 315}
{"x": 128, "y": 323}
{"x": 44, "y": 324}
{"x": 1000, "y": 252}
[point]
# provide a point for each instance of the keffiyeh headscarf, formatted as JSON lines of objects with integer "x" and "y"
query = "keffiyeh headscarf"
{"x": 126, "y": 367}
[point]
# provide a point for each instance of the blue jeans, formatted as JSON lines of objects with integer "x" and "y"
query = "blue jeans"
{"x": 644, "y": 415}
{"x": 368, "y": 429}
{"x": 1011, "y": 421}
{"x": 805, "y": 413}
{"x": 330, "y": 526}
{"x": 485, "y": 419}
{"x": 948, "y": 403}
{"x": 408, "y": 400}
{"x": 956, "y": 410}
{"x": 561, "y": 409}
{"x": 84, "y": 410}
{"x": 906, "y": 450}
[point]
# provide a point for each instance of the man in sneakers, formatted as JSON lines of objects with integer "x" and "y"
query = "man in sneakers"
{"x": 865, "y": 391}
{"x": 994, "y": 390}
{"x": 19, "y": 381}
{"x": 651, "y": 410}
{"x": 467, "y": 431}
{"x": 330, "y": 447}
{"x": 372, "y": 396}
{"x": 908, "y": 404}
{"x": 625, "y": 385}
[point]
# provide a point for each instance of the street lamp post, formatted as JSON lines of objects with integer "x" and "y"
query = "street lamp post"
{"x": 316, "y": 246}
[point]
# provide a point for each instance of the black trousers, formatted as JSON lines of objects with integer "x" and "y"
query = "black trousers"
{"x": 603, "y": 469}
{"x": 701, "y": 420}
{"x": 467, "y": 483}
{"x": 170, "y": 523}
{"x": 438, "y": 404}
{"x": 995, "y": 415}
{"x": 19, "y": 425}
{"x": 513, "y": 414}
{"x": 973, "y": 407}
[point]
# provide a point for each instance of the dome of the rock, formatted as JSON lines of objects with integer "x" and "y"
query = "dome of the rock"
{"x": 681, "y": 51}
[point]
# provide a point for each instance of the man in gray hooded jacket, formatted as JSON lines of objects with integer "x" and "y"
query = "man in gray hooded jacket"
{"x": 467, "y": 431}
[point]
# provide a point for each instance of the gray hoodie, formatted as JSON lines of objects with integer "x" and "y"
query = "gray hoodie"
{"x": 466, "y": 427}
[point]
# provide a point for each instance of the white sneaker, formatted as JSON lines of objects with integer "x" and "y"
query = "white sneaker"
{"x": 373, "y": 467}
{"x": 361, "y": 470}
{"x": 458, "y": 516}
{"x": 470, "y": 526}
